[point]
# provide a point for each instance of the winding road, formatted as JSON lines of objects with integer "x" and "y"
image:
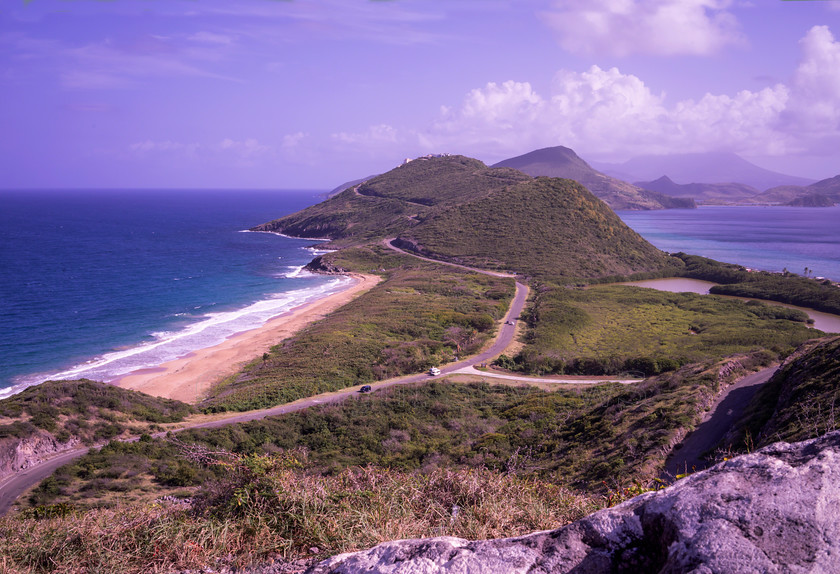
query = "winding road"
{"x": 13, "y": 485}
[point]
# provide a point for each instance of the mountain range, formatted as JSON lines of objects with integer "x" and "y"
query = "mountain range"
{"x": 713, "y": 167}
{"x": 563, "y": 162}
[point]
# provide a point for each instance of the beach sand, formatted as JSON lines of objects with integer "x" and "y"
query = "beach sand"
{"x": 189, "y": 377}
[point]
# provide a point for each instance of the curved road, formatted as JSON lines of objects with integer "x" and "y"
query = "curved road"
{"x": 16, "y": 484}
{"x": 725, "y": 411}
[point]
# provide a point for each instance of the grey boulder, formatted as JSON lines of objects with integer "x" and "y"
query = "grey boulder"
{"x": 773, "y": 511}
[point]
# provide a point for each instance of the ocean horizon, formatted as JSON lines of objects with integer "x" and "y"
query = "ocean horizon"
{"x": 99, "y": 283}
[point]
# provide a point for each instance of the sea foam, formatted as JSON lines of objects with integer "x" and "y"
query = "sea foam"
{"x": 208, "y": 330}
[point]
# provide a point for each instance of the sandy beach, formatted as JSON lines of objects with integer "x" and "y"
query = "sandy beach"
{"x": 188, "y": 378}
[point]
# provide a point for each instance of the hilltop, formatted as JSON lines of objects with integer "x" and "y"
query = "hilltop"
{"x": 823, "y": 193}
{"x": 457, "y": 209}
{"x": 563, "y": 162}
{"x": 708, "y": 193}
{"x": 712, "y": 167}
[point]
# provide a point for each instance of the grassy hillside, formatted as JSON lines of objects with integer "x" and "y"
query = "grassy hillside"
{"x": 613, "y": 329}
{"x": 544, "y": 227}
{"x": 565, "y": 163}
{"x": 456, "y": 209}
{"x": 87, "y": 410}
{"x": 421, "y": 315}
{"x": 801, "y": 401}
{"x": 387, "y": 204}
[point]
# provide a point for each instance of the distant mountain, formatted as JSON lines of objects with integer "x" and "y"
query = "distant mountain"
{"x": 700, "y": 168}
{"x": 707, "y": 193}
{"x": 348, "y": 185}
{"x": 823, "y": 193}
{"x": 457, "y": 209}
{"x": 563, "y": 162}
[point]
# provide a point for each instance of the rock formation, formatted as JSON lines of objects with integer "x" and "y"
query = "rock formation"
{"x": 775, "y": 510}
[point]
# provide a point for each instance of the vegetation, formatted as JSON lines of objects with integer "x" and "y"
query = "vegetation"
{"x": 611, "y": 329}
{"x": 784, "y": 288}
{"x": 266, "y": 506}
{"x": 88, "y": 410}
{"x": 422, "y": 315}
{"x": 592, "y": 437}
{"x": 542, "y": 227}
{"x": 801, "y": 401}
{"x": 386, "y": 205}
{"x": 563, "y": 162}
{"x": 456, "y": 209}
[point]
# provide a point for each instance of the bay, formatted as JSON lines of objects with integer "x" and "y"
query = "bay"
{"x": 767, "y": 238}
{"x": 96, "y": 283}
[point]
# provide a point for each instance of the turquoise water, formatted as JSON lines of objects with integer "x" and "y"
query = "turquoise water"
{"x": 99, "y": 283}
{"x": 767, "y": 238}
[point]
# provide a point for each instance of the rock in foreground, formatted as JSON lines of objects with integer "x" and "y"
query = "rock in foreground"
{"x": 775, "y": 510}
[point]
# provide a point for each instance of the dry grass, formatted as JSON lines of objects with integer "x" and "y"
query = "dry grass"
{"x": 268, "y": 506}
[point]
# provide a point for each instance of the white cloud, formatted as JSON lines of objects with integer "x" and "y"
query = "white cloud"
{"x": 374, "y": 136}
{"x": 292, "y": 141}
{"x": 211, "y": 38}
{"x": 104, "y": 65}
{"x": 815, "y": 108}
{"x": 612, "y": 115}
{"x": 661, "y": 27}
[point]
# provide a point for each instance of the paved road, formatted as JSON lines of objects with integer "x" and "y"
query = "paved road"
{"x": 726, "y": 410}
{"x": 470, "y": 370}
{"x": 14, "y": 485}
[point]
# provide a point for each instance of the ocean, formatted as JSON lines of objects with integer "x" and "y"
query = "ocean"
{"x": 766, "y": 238}
{"x": 100, "y": 283}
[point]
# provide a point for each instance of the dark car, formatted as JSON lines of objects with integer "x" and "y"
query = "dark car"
{"x": 365, "y": 389}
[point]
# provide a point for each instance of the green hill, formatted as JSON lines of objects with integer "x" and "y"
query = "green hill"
{"x": 387, "y": 204}
{"x": 457, "y": 209}
{"x": 561, "y": 161}
{"x": 545, "y": 226}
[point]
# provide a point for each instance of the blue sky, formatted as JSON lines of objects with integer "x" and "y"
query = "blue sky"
{"x": 309, "y": 94}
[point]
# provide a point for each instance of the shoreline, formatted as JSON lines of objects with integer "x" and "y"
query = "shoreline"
{"x": 189, "y": 377}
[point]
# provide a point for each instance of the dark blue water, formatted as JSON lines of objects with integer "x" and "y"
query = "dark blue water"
{"x": 99, "y": 283}
{"x": 767, "y": 238}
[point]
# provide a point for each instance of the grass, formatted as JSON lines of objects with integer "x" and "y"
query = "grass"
{"x": 421, "y": 315}
{"x": 88, "y": 410}
{"x": 266, "y": 506}
{"x": 545, "y": 227}
{"x": 785, "y": 288}
{"x": 609, "y": 329}
{"x": 799, "y": 402}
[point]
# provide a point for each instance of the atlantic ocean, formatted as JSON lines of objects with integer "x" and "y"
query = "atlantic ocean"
{"x": 97, "y": 283}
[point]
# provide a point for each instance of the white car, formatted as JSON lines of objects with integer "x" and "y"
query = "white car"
{"x": 434, "y": 371}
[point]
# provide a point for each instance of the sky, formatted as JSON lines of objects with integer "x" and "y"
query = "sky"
{"x": 309, "y": 94}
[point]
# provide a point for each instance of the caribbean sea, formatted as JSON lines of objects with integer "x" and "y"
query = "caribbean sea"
{"x": 767, "y": 238}
{"x": 99, "y": 283}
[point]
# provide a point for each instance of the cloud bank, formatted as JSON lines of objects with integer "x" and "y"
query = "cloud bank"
{"x": 607, "y": 113}
{"x": 659, "y": 27}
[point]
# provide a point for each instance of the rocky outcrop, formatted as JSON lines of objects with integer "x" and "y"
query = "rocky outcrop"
{"x": 21, "y": 453}
{"x": 775, "y": 510}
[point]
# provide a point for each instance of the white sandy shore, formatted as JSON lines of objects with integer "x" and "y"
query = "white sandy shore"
{"x": 188, "y": 378}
